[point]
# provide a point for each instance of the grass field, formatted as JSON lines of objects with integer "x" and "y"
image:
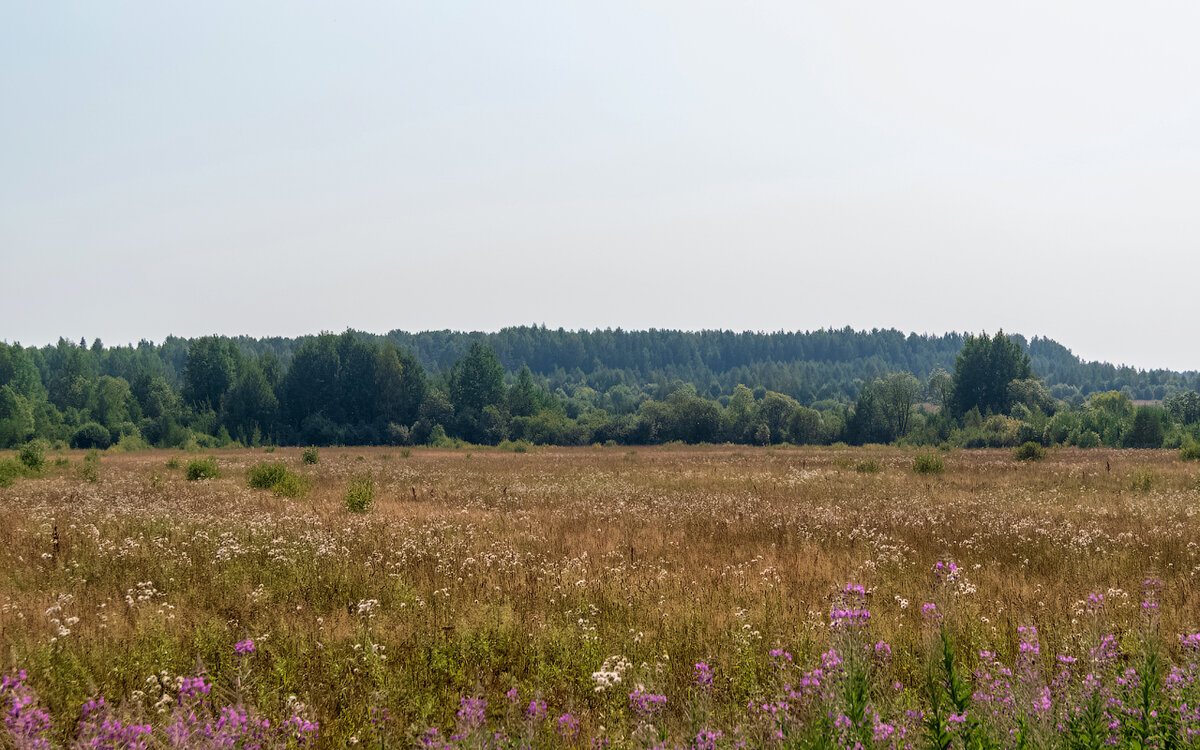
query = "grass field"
{"x": 556, "y": 571}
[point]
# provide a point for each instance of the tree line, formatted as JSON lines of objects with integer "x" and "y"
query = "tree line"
{"x": 559, "y": 387}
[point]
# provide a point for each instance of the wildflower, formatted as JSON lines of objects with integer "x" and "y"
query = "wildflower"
{"x": 536, "y": 710}
{"x": 703, "y": 675}
{"x": 244, "y": 648}
{"x": 471, "y": 712}
{"x": 646, "y": 704}
{"x": 568, "y": 726}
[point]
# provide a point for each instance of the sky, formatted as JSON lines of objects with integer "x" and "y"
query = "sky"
{"x": 285, "y": 168}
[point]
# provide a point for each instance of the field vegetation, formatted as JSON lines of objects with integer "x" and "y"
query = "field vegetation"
{"x": 632, "y": 597}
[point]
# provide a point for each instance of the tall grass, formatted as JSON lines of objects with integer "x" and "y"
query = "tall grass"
{"x": 541, "y": 571}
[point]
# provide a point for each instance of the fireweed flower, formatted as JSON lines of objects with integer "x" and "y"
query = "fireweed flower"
{"x": 471, "y": 713}
{"x": 567, "y": 726}
{"x": 646, "y": 704}
{"x": 536, "y": 710}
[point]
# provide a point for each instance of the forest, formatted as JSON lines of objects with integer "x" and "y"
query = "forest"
{"x": 534, "y": 385}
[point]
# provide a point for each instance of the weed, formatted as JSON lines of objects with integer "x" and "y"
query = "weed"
{"x": 89, "y": 471}
{"x": 361, "y": 494}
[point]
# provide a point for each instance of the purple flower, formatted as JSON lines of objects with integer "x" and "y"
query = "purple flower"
{"x": 472, "y": 712}
{"x": 536, "y": 710}
{"x": 568, "y": 726}
{"x": 703, "y": 675}
{"x": 645, "y": 704}
{"x": 244, "y": 648}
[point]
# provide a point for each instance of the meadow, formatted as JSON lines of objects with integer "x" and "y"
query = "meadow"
{"x": 606, "y": 597}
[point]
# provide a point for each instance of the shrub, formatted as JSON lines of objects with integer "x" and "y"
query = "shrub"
{"x": 1144, "y": 479}
{"x": 33, "y": 455}
{"x": 868, "y": 466}
{"x": 202, "y": 468}
{"x": 90, "y": 471}
{"x": 274, "y": 476}
{"x": 91, "y": 435}
{"x": 1190, "y": 451}
{"x": 516, "y": 446}
{"x": 265, "y": 475}
{"x": 310, "y": 455}
{"x": 1029, "y": 451}
{"x": 927, "y": 463}
{"x": 132, "y": 443}
{"x": 437, "y": 437}
{"x": 361, "y": 494}
{"x": 10, "y": 470}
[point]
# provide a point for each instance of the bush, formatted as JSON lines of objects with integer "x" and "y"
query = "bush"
{"x": 1190, "y": 451}
{"x": 361, "y": 494}
{"x": 927, "y": 463}
{"x": 868, "y": 466}
{"x": 33, "y": 455}
{"x": 517, "y": 446}
{"x": 1144, "y": 479}
{"x": 90, "y": 471}
{"x": 1029, "y": 451}
{"x": 202, "y": 468}
{"x": 132, "y": 443}
{"x": 91, "y": 435}
{"x": 310, "y": 455}
{"x": 274, "y": 476}
{"x": 10, "y": 470}
{"x": 437, "y": 437}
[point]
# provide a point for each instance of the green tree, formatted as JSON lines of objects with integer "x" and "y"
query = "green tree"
{"x": 389, "y": 384}
{"x": 1147, "y": 429}
{"x": 982, "y": 371}
{"x": 738, "y": 418}
{"x": 776, "y": 411}
{"x": 250, "y": 405}
{"x": 1183, "y": 407}
{"x": 477, "y": 380}
{"x": 870, "y": 421}
{"x": 16, "y": 417}
{"x": 111, "y": 400}
{"x": 210, "y": 371}
{"x": 310, "y": 386}
{"x": 899, "y": 392}
{"x": 939, "y": 388}
{"x": 524, "y": 398}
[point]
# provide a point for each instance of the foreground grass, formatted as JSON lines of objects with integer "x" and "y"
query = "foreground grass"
{"x": 477, "y": 573}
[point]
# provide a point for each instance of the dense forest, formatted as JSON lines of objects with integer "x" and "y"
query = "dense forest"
{"x": 579, "y": 387}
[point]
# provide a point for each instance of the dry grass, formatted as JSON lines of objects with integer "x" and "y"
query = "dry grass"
{"x": 491, "y": 569}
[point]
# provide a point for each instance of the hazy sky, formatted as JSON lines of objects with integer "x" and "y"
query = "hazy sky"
{"x": 283, "y": 168}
